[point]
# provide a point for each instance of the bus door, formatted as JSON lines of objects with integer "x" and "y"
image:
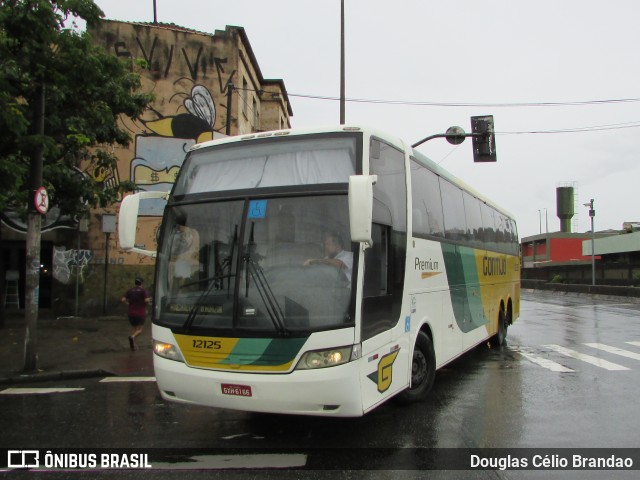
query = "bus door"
{"x": 386, "y": 353}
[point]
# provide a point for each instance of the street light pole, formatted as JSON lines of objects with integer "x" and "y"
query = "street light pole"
{"x": 540, "y": 219}
{"x": 546, "y": 219}
{"x": 592, "y": 214}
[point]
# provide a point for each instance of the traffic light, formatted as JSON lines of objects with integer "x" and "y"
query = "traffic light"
{"x": 483, "y": 138}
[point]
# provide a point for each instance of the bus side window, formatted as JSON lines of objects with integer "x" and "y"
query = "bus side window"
{"x": 376, "y": 261}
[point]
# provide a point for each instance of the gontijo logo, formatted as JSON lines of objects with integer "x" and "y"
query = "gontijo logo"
{"x": 383, "y": 376}
{"x": 494, "y": 266}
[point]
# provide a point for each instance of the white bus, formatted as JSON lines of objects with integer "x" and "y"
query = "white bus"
{"x": 321, "y": 272}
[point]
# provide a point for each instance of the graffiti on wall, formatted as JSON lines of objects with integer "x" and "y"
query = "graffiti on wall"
{"x": 67, "y": 262}
{"x": 189, "y": 112}
{"x": 160, "y": 60}
{"x": 159, "y": 153}
{"x": 185, "y": 74}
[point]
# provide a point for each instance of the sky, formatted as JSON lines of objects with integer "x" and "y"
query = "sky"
{"x": 561, "y": 79}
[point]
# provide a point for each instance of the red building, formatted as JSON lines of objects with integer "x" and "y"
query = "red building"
{"x": 549, "y": 255}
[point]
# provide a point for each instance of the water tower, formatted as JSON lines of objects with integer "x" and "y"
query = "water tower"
{"x": 565, "y": 207}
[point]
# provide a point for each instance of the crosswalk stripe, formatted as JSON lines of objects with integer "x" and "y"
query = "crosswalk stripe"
{"x": 543, "y": 362}
{"x": 127, "y": 379}
{"x": 614, "y": 350}
{"x": 637, "y": 344}
{"x": 33, "y": 390}
{"x": 598, "y": 362}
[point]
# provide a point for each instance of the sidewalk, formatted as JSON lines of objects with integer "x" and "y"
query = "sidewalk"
{"x": 74, "y": 347}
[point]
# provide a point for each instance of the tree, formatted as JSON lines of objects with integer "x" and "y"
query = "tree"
{"x": 60, "y": 100}
{"x": 86, "y": 91}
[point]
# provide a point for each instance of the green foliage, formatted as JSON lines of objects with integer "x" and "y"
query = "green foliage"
{"x": 557, "y": 279}
{"x": 86, "y": 90}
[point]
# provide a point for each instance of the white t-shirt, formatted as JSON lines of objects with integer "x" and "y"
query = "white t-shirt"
{"x": 346, "y": 258}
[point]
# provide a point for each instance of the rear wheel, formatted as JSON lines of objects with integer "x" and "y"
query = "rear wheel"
{"x": 423, "y": 370}
{"x": 500, "y": 338}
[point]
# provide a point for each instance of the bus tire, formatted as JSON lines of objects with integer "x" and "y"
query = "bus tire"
{"x": 500, "y": 338}
{"x": 423, "y": 370}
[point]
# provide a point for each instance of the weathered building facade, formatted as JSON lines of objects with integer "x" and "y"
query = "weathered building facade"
{"x": 206, "y": 86}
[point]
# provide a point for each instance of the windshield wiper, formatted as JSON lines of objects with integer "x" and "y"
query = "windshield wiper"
{"x": 255, "y": 271}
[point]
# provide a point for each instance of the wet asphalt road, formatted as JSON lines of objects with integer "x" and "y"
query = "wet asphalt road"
{"x": 569, "y": 378}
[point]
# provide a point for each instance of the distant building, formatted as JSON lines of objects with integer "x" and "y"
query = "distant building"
{"x": 190, "y": 74}
{"x": 619, "y": 257}
{"x": 567, "y": 257}
{"x": 549, "y": 254}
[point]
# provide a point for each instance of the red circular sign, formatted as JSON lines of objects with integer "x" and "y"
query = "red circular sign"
{"x": 41, "y": 200}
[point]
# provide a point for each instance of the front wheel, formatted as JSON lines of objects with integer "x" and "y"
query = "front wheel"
{"x": 423, "y": 370}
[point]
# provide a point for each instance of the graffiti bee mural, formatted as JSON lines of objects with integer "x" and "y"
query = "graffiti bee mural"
{"x": 197, "y": 124}
{"x": 160, "y": 155}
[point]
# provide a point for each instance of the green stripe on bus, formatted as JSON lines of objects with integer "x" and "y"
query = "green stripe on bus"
{"x": 280, "y": 351}
{"x": 464, "y": 286}
{"x": 264, "y": 351}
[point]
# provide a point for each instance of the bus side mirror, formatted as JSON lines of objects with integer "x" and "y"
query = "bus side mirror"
{"x": 361, "y": 207}
{"x": 128, "y": 221}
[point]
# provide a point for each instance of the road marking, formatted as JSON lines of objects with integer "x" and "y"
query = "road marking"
{"x": 598, "y": 362}
{"x": 37, "y": 391}
{"x": 127, "y": 379}
{"x": 637, "y": 344}
{"x": 543, "y": 362}
{"x": 614, "y": 350}
{"x": 245, "y": 462}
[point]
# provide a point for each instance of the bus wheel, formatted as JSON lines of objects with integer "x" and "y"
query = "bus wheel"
{"x": 423, "y": 370}
{"x": 500, "y": 338}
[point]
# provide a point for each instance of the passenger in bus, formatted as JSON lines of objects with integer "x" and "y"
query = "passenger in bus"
{"x": 335, "y": 255}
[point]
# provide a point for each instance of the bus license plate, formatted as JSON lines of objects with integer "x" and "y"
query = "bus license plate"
{"x": 238, "y": 390}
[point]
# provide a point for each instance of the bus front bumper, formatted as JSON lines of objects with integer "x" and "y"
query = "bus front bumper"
{"x": 333, "y": 391}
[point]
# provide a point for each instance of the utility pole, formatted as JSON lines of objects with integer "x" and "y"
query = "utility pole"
{"x": 229, "y": 97}
{"x": 342, "y": 87}
{"x": 34, "y": 225}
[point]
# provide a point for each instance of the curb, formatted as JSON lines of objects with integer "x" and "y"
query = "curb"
{"x": 21, "y": 378}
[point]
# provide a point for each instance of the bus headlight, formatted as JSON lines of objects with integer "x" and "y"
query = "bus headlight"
{"x": 167, "y": 350}
{"x": 324, "y": 358}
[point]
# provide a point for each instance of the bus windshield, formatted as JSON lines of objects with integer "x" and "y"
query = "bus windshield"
{"x": 272, "y": 163}
{"x": 251, "y": 265}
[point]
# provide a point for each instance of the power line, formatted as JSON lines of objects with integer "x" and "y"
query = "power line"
{"x": 594, "y": 128}
{"x": 469, "y": 104}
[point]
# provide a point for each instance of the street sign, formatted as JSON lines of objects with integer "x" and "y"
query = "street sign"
{"x": 41, "y": 200}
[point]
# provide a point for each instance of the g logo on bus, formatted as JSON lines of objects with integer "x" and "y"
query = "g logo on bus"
{"x": 384, "y": 375}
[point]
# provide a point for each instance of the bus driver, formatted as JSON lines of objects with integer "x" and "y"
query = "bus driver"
{"x": 335, "y": 255}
